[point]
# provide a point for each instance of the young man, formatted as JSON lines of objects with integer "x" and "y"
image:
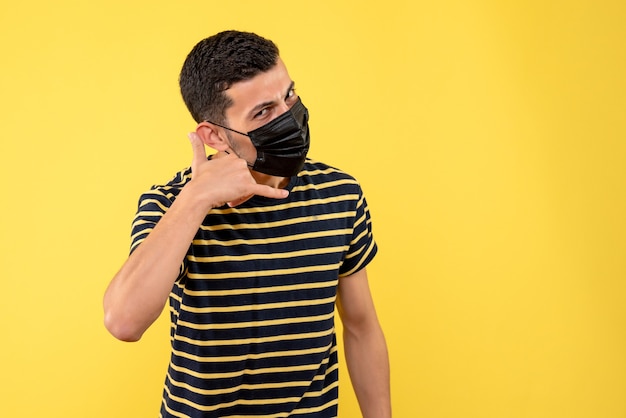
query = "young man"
{"x": 253, "y": 246}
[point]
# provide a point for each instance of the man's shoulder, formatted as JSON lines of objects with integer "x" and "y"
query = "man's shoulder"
{"x": 327, "y": 181}
{"x": 317, "y": 169}
{"x": 171, "y": 188}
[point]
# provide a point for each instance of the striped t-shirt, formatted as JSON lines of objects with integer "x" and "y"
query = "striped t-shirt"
{"x": 252, "y": 312}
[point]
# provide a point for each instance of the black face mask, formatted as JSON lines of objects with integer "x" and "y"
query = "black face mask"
{"x": 281, "y": 144}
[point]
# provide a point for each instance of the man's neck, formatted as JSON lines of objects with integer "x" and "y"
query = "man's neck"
{"x": 273, "y": 181}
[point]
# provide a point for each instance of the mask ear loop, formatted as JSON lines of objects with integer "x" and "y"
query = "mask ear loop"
{"x": 249, "y": 165}
{"x": 227, "y": 128}
{"x": 235, "y": 131}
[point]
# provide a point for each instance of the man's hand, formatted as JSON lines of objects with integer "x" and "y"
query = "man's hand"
{"x": 139, "y": 291}
{"x": 224, "y": 180}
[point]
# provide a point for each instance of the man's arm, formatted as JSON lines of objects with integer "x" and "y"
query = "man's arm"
{"x": 365, "y": 346}
{"x": 138, "y": 292}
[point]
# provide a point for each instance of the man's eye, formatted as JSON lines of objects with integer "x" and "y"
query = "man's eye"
{"x": 261, "y": 113}
{"x": 291, "y": 94}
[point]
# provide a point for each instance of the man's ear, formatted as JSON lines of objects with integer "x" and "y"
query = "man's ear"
{"x": 210, "y": 135}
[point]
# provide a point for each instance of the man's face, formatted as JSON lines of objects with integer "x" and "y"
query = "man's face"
{"x": 256, "y": 102}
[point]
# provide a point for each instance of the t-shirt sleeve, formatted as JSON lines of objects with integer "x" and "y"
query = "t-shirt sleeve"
{"x": 362, "y": 248}
{"x": 151, "y": 208}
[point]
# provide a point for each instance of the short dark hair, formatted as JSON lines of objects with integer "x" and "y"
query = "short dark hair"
{"x": 215, "y": 64}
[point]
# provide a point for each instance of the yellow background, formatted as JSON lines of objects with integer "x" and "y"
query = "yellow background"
{"x": 489, "y": 137}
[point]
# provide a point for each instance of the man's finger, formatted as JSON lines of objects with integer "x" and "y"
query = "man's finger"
{"x": 197, "y": 146}
{"x": 239, "y": 201}
{"x": 271, "y": 192}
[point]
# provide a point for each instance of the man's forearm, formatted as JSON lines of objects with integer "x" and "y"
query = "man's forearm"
{"x": 368, "y": 365}
{"x": 137, "y": 294}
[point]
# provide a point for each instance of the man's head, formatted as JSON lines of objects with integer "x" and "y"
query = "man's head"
{"x": 239, "y": 91}
{"x": 215, "y": 64}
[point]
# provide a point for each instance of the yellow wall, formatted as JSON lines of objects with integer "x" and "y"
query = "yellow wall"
{"x": 489, "y": 137}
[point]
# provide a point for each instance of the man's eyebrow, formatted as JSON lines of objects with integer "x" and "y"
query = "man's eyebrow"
{"x": 260, "y": 106}
{"x": 291, "y": 86}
